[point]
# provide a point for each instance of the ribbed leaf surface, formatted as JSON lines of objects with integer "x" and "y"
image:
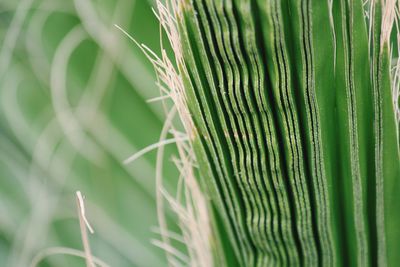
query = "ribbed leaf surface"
{"x": 296, "y": 130}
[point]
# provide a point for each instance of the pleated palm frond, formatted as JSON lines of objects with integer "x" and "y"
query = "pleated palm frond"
{"x": 287, "y": 148}
{"x": 293, "y": 119}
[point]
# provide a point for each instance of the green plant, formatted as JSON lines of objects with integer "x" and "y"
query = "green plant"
{"x": 73, "y": 106}
{"x": 293, "y": 109}
{"x": 287, "y": 149}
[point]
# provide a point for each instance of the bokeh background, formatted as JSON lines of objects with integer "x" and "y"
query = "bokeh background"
{"x": 74, "y": 105}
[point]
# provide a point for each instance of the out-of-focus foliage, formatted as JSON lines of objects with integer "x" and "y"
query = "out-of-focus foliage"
{"x": 73, "y": 92}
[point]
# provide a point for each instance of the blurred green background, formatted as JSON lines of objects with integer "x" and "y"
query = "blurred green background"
{"x": 73, "y": 101}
